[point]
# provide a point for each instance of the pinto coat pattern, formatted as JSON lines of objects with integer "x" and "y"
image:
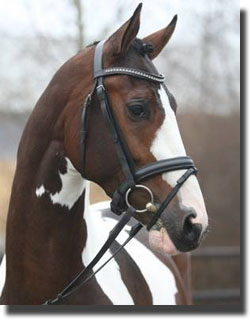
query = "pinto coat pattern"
{"x": 52, "y": 233}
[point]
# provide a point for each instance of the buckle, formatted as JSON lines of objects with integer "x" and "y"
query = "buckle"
{"x": 100, "y": 91}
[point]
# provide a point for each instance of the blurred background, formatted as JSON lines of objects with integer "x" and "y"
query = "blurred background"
{"x": 201, "y": 64}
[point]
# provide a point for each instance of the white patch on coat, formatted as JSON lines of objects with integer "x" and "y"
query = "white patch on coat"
{"x": 72, "y": 187}
{"x": 2, "y": 273}
{"x": 109, "y": 278}
{"x": 159, "y": 278}
{"x": 168, "y": 144}
{"x": 40, "y": 191}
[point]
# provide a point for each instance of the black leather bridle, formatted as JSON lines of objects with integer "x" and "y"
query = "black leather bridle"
{"x": 133, "y": 177}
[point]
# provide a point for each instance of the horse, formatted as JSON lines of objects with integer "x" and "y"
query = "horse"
{"x": 106, "y": 117}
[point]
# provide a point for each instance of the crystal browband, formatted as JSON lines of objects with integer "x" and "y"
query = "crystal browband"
{"x": 129, "y": 71}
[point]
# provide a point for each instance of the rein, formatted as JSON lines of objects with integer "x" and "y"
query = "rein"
{"x": 133, "y": 176}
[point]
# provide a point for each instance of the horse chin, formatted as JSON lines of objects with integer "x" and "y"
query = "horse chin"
{"x": 160, "y": 241}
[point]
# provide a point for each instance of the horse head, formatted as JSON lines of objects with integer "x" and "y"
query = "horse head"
{"x": 145, "y": 114}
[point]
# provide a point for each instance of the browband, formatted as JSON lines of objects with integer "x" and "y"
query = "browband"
{"x": 131, "y": 72}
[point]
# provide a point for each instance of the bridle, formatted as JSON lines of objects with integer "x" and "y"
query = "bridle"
{"x": 133, "y": 177}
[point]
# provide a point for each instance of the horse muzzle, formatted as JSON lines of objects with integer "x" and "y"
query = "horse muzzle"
{"x": 184, "y": 234}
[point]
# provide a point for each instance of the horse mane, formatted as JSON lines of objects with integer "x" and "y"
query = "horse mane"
{"x": 141, "y": 47}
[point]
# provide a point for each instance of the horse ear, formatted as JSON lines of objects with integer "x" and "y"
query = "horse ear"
{"x": 160, "y": 38}
{"x": 120, "y": 41}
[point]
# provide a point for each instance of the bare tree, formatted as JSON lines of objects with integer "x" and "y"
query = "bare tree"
{"x": 79, "y": 23}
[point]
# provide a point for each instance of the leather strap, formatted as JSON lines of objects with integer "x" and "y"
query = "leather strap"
{"x": 162, "y": 166}
{"x": 83, "y": 133}
{"x": 124, "y": 155}
{"x": 98, "y": 69}
{"x": 118, "y": 204}
{"x": 170, "y": 196}
{"x": 87, "y": 273}
{"x": 131, "y": 72}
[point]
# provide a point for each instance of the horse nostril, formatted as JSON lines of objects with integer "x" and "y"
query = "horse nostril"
{"x": 183, "y": 231}
{"x": 191, "y": 231}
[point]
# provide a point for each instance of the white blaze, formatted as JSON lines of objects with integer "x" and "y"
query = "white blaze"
{"x": 168, "y": 144}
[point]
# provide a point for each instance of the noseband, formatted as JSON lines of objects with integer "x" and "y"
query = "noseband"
{"x": 134, "y": 177}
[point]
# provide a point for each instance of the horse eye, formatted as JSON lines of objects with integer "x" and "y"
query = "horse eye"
{"x": 137, "y": 110}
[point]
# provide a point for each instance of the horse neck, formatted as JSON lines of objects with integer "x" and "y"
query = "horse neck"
{"x": 45, "y": 229}
{"x": 46, "y": 232}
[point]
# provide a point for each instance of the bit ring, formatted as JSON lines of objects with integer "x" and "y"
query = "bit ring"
{"x": 139, "y": 186}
